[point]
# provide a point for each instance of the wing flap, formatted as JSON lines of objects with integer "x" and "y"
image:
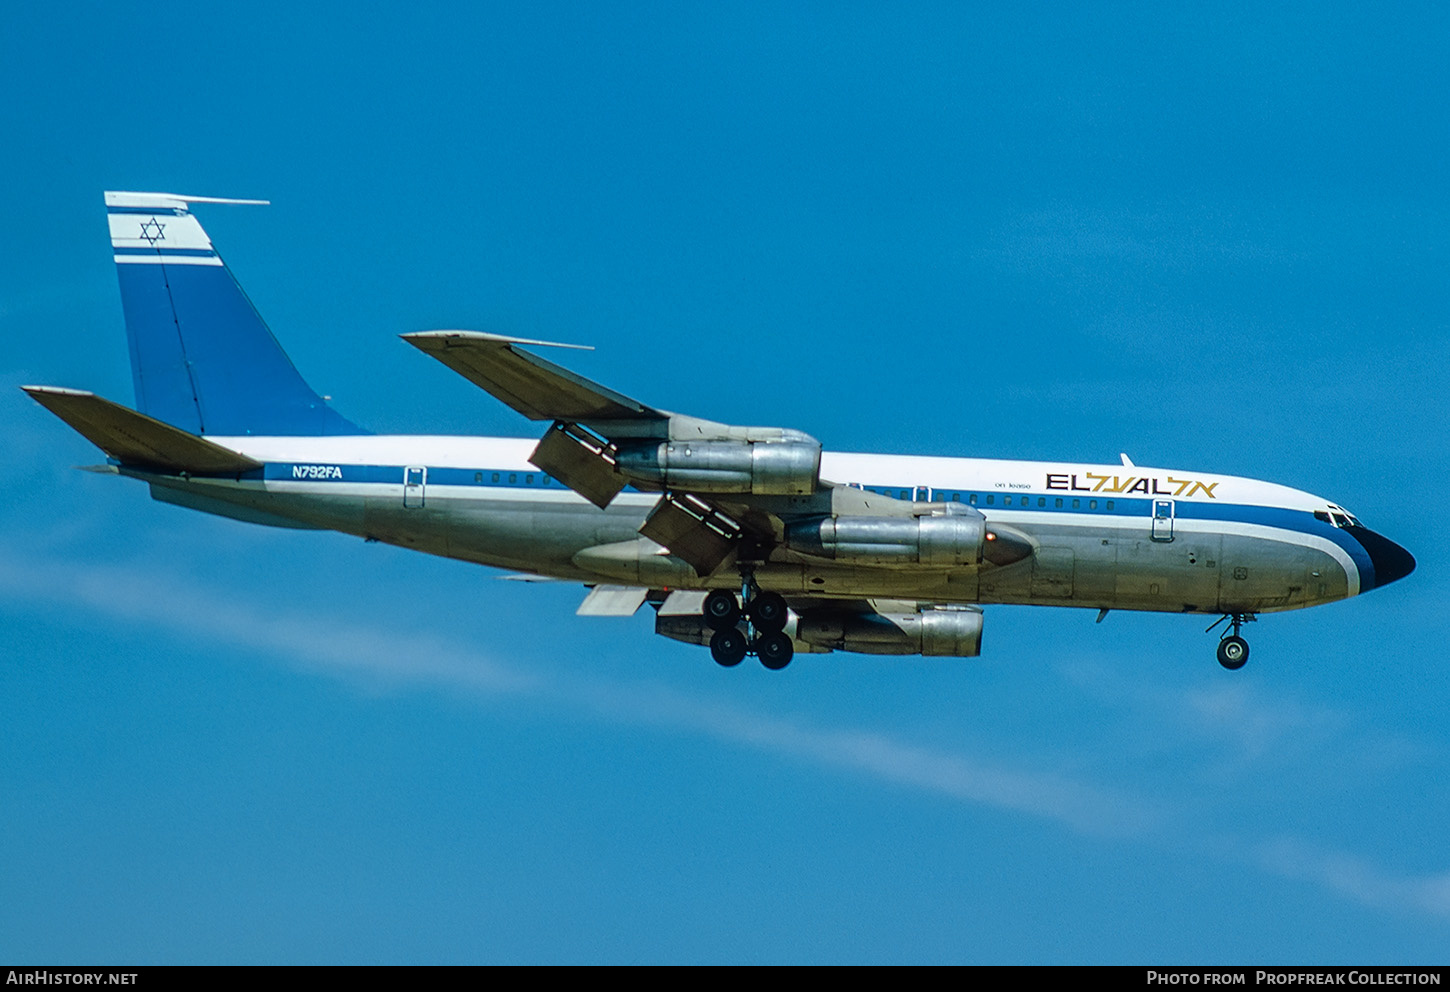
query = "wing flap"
{"x": 683, "y": 603}
{"x": 612, "y": 601}
{"x": 581, "y": 462}
{"x": 533, "y": 386}
{"x": 135, "y": 439}
{"x": 693, "y": 530}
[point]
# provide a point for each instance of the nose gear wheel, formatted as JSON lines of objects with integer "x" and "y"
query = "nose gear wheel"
{"x": 1233, "y": 650}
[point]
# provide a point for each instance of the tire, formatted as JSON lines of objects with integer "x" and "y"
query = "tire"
{"x": 727, "y": 647}
{"x": 768, "y": 612}
{"x": 775, "y": 650}
{"x": 1233, "y": 652}
{"x": 722, "y": 610}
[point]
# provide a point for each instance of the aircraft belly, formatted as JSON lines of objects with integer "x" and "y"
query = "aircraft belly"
{"x": 259, "y": 503}
{"x": 830, "y": 581}
{"x": 229, "y": 502}
{"x": 1073, "y": 566}
{"x": 1119, "y": 568}
{"x": 1260, "y": 575}
{"x": 1181, "y": 575}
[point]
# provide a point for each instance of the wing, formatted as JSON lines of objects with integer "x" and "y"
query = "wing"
{"x": 723, "y": 486}
{"x": 537, "y": 388}
{"x": 729, "y": 493}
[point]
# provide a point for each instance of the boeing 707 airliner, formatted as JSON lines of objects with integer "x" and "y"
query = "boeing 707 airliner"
{"x": 751, "y": 540}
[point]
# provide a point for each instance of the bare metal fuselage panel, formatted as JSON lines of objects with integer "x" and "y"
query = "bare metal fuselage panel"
{"x": 1121, "y": 552}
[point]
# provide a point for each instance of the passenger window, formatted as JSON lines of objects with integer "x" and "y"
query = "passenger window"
{"x": 972, "y": 499}
{"x": 477, "y": 476}
{"x": 1110, "y": 504}
{"x": 990, "y": 497}
{"x": 529, "y": 478}
{"x": 513, "y": 478}
{"x": 1092, "y": 504}
{"x": 1042, "y": 501}
{"x": 1059, "y": 502}
{"x": 495, "y": 477}
{"x": 1076, "y": 504}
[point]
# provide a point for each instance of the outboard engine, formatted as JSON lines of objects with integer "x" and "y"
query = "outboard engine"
{"x": 790, "y": 466}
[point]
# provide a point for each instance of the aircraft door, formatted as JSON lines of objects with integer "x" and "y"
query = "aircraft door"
{"x": 415, "y": 482}
{"x": 1163, "y": 520}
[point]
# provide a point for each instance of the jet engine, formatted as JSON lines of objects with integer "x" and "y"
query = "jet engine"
{"x": 934, "y": 633}
{"x": 788, "y": 467}
{"x": 961, "y": 538}
{"x": 943, "y": 632}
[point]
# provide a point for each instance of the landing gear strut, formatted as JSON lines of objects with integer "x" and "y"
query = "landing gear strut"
{"x": 1233, "y": 650}
{"x": 766, "y": 614}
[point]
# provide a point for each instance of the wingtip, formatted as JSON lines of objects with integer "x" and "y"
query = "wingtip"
{"x": 420, "y": 339}
{"x": 38, "y": 391}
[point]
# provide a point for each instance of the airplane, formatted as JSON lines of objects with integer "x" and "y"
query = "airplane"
{"x": 751, "y": 540}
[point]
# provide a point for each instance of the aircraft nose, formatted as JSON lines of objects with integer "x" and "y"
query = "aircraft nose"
{"x": 1390, "y": 561}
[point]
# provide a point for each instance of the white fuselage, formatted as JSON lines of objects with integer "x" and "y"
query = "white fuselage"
{"x": 1106, "y": 536}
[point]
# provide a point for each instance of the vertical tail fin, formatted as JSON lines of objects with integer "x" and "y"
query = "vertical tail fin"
{"x": 202, "y": 358}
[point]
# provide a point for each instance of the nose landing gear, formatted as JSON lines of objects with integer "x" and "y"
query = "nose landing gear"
{"x": 1233, "y": 650}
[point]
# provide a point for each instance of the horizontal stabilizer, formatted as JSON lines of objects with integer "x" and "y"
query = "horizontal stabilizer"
{"x": 538, "y": 389}
{"x": 135, "y": 439}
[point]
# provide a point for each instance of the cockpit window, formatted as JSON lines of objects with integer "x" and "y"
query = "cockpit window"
{"x": 1337, "y": 516}
{"x": 1341, "y": 517}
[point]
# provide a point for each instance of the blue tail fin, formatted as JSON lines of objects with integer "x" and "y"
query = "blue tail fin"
{"x": 201, "y": 357}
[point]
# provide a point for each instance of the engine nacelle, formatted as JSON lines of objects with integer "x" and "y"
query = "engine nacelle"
{"x": 790, "y": 467}
{"x": 955, "y": 633}
{"x": 948, "y": 541}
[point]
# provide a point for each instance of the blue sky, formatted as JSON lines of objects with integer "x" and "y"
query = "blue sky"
{"x": 1213, "y": 237}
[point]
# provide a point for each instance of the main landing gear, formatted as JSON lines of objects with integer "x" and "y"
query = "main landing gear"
{"x": 1233, "y": 650}
{"x": 766, "y": 613}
